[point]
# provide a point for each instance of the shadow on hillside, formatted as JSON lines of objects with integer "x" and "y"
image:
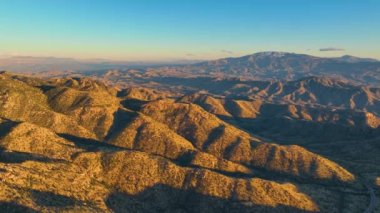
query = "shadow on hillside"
{"x": 133, "y": 104}
{"x": 12, "y": 207}
{"x": 285, "y": 130}
{"x": 50, "y": 199}
{"x": 89, "y": 145}
{"x": 20, "y": 157}
{"x": 215, "y": 134}
{"x": 186, "y": 160}
{"x": 122, "y": 119}
{"x": 161, "y": 198}
{"x": 6, "y": 127}
{"x": 46, "y": 88}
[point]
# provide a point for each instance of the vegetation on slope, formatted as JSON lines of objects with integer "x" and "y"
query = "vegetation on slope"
{"x": 72, "y": 145}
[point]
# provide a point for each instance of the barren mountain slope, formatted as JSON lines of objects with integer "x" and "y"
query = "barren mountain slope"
{"x": 216, "y": 137}
{"x": 289, "y": 66}
{"x": 90, "y": 103}
{"x": 20, "y": 101}
{"x": 53, "y": 174}
{"x": 288, "y": 120}
{"x": 158, "y": 156}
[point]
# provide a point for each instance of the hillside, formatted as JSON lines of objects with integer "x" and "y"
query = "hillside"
{"x": 77, "y": 144}
{"x": 289, "y": 119}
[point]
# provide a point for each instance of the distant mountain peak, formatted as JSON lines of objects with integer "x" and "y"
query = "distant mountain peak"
{"x": 354, "y": 59}
{"x": 272, "y": 54}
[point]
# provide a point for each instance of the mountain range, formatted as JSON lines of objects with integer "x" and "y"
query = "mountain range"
{"x": 290, "y": 66}
{"x": 263, "y": 66}
{"x": 269, "y": 132}
{"x": 258, "y": 66}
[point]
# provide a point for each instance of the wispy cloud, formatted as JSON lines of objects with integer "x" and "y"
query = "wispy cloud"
{"x": 227, "y": 51}
{"x": 331, "y": 49}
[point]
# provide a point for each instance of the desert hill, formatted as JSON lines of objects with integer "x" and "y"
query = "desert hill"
{"x": 73, "y": 144}
{"x": 287, "y": 119}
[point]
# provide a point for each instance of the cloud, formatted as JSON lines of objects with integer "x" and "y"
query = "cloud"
{"x": 227, "y": 51}
{"x": 190, "y": 55}
{"x": 331, "y": 49}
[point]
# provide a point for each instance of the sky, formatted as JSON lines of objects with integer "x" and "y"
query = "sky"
{"x": 147, "y": 30}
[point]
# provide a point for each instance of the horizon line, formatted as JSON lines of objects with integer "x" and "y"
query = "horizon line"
{"x": 105, "y": 59}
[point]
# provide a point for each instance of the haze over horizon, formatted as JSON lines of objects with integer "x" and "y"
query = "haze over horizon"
{"x": 191, "y": 30}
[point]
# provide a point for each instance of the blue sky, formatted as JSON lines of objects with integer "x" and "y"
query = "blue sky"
{"x": 187, "y": 29}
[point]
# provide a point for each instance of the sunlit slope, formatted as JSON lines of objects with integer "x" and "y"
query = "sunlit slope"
{"x": 171, "y": 155}
{"x": 218, "y": 138}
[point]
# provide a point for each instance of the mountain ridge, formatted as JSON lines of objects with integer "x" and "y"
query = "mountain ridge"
{"x": 121, "y": 144}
